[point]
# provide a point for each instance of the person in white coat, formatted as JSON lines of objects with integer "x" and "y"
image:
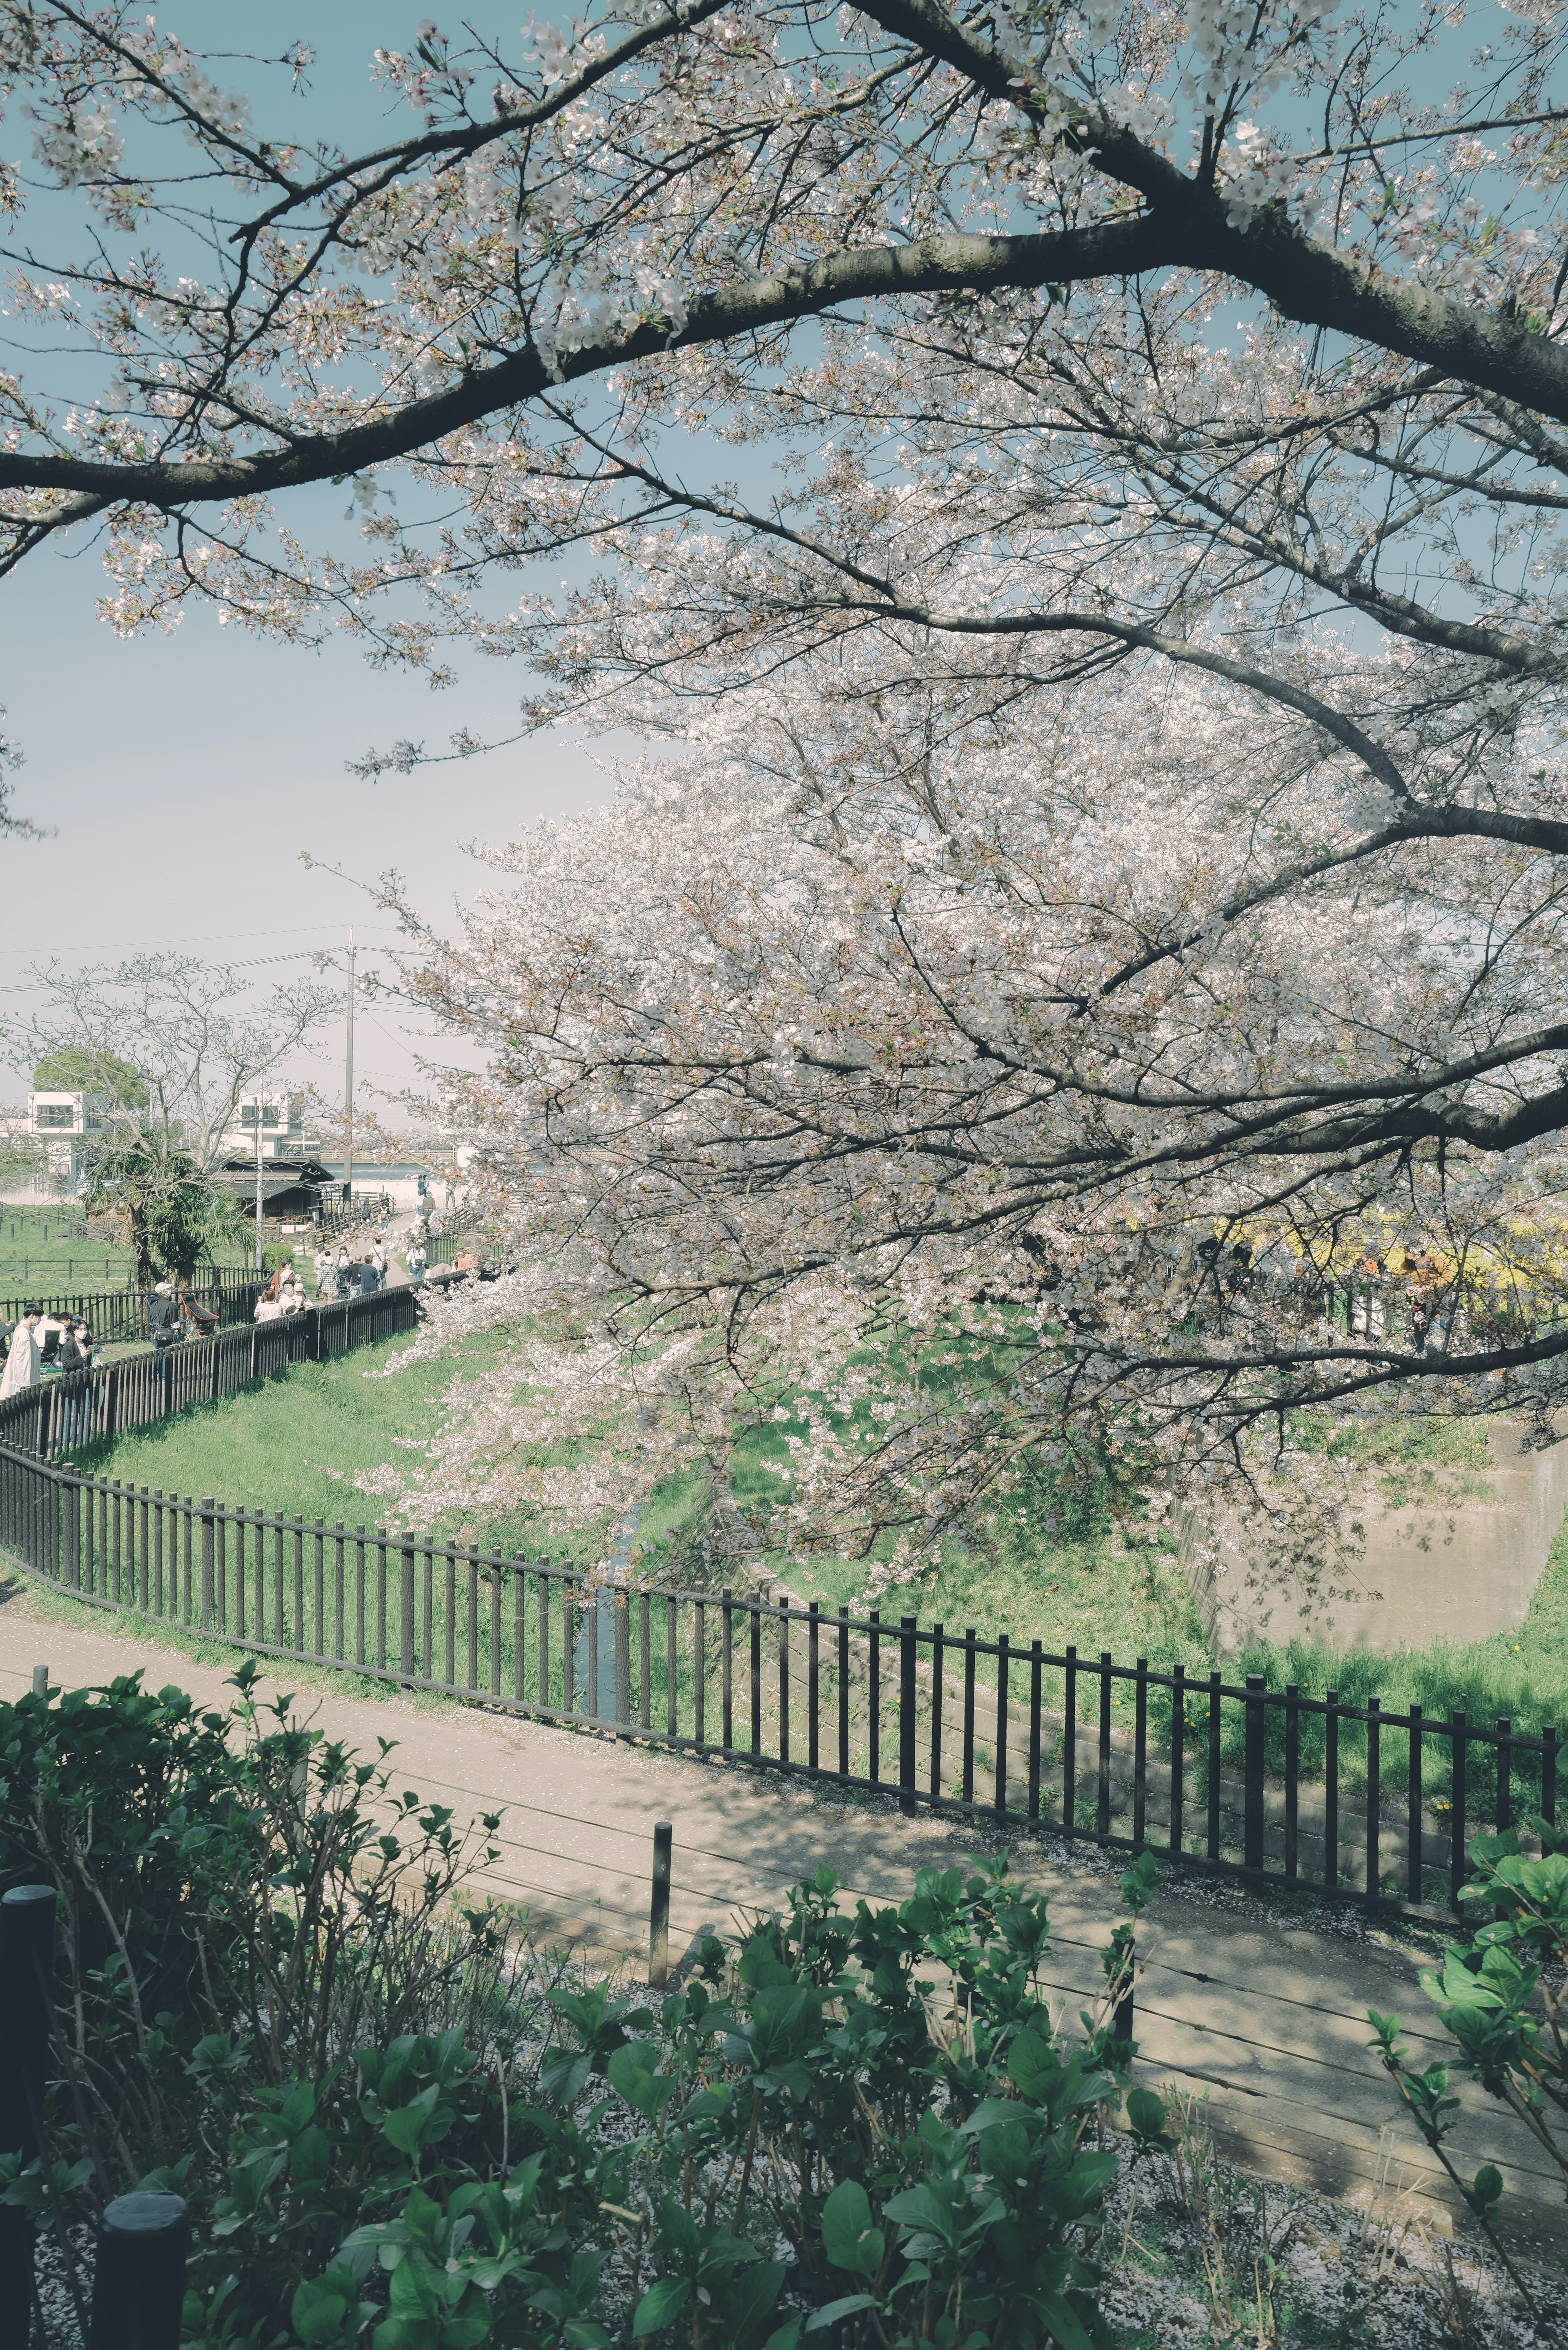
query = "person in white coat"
{"x": 22, "y": 1362}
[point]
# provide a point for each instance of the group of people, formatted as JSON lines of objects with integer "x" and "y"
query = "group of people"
{"x": 282, "y": 1296}
{"x": 41, "y": 1344}
{"x": 352, "y": 1271}
{"x": 1431, "y": 1291}
{"x": 357, "y": 1267}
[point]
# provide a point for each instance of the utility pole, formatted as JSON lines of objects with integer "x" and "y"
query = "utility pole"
{"x": 348, "y": 1091}
{"x": 256, "y": 1111}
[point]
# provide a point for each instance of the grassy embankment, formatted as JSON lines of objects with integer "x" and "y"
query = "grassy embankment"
{"x": 295, "y": 1445}
{"x": 1090, "y": 1587}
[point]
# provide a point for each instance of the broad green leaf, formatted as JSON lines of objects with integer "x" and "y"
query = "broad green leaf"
{"x": 634, "y": 2072}
{"x": 917, "y": 2206}
{"x": 1487, "y": 2188}
{"x": 835, "y": 2309}
{"x": 1146, "y": 2118}
{"x": 1066, "y": 2329}
{"x": 664, "y": 2300}
{"x": 848, "y": 2237}
{"x": 1034, "y": 2066}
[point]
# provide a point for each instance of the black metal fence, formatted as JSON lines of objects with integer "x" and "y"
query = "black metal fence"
{"x": 1270, "y": 1785}
{"x": 73, "y": 1408}
{"x": 445, "y": 1247}
{"x": 121, "y": 1314}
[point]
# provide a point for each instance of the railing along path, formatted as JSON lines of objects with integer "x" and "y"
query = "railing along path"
{"x": 120, "y": 1314}
{"x": 1273, "y": 1786}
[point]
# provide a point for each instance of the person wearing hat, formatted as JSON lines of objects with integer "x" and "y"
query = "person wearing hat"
{"x": 22, "y": 1362}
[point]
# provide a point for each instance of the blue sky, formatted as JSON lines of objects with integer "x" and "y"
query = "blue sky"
{"x": 185, "y": 776}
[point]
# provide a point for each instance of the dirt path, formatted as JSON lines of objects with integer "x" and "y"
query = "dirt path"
{"x": 1263, "y": 2010}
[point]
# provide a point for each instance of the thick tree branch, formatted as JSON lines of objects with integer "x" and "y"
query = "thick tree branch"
{"x": 931, "y": 266}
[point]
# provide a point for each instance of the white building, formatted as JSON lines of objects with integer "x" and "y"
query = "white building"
{"x": 70, "y": 1128}
{"x": 281, "y": 1116}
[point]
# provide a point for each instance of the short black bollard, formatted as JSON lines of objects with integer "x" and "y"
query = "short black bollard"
{"x": 1122, "y": 2031}
{"x": 659, "y": 1907}
{"x": 139, "y": 2285}
{"x": 40, "y": 1680}
{"x": 27, "y": 1943}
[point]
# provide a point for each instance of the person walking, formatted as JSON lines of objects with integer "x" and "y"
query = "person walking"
{"x": 76, "y": 1355}
{"x": 269, "y": 1305}
{"x": 367, "y": 1281}
{"x": 22, "y": 1362}
{"x": 1367, "y": 1318}
{"x": 163, "y": 1327}
{"x": 416, "y": 1261}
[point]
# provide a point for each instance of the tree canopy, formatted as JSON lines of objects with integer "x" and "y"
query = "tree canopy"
{"x": 85, "y": 1069}
{"x": 1085, "y": 486}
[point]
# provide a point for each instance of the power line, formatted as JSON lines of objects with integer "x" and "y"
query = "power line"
{"x": 249, "y": 963}
{"x": 201, "y": 938}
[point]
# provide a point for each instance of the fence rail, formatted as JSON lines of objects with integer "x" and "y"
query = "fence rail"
{"x": 72, "y": 1407}
{"x": 445, "y": 1247}
{"x": 1273, "y": 1786}
{"x": 122, "y": 1312}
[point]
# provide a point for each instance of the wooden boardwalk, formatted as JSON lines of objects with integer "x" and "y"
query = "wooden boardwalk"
{"x": 1262, "y": 2010}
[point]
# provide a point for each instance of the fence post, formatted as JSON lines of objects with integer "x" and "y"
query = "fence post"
{"x": 138, "y": 2284}
{"x": 26, "y": 1939}
{"x": 907, "y": 1629}
{"x": 72, "y": 1561}
{"x": 623, "y": 1660}
{"x": 659, "y": 1907}
{"x": 207, "y": 1507}
{"x": 1252, "y": 1811}
{"x": 407, "y": 1606}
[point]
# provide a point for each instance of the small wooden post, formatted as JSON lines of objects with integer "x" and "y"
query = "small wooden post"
{"x": 26, "y": 1939}
{"x": 138, "y": 2284}
{"x": 659, "y": 1907}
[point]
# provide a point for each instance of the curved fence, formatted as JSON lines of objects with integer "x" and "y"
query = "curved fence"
{"x": 1273, "y": 1786}
{"x": 70, "y": 1408}
{"x": 120, "y": 1314}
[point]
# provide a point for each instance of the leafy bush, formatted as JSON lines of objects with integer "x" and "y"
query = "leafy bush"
{"x": 1503, "y": 2003}
{"x": 397, "y": 2123}
{"x": 1502, "y": 1998}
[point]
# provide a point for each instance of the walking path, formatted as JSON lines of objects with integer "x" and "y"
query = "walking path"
{"x": 1244, "y": 2002}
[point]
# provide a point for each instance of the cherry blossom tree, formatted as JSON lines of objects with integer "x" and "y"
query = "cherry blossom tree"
{"x": 1123, "y": 814}
{"x": 982, "y": 1091}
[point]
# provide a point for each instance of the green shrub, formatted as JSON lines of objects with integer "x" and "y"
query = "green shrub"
{"x": 394, "y": 2123}
{"x": 1500, "y": 1998}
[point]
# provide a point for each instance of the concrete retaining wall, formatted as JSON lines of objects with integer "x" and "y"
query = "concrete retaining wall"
{"x": 1461, "y": 1565}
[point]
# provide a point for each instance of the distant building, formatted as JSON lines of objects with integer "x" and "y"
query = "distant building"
{"x": 300, "y": 1189}
{"x": 281, "y": 1118}
{"x": 70, "y": 1129}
